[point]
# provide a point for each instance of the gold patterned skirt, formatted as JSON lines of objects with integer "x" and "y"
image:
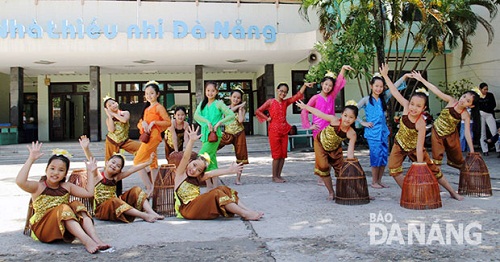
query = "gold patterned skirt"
{"x": 210, "y": 205}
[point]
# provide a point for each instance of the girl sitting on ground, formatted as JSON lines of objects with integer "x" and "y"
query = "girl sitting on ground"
{"x": 220, "y": 201}
{"x": 123, "y": 208}
{"x": 54, "y": 217}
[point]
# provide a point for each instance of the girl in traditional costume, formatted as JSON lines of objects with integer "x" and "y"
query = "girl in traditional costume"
{"x": 278, "y": 127}
{"x": 154, "y": 121}
{"x": 54, "y": 217}
{"x": 328, "y": 142}
{"x": 126, "y": 207}
{"x": 409, "y": 140}
{"x": 376, "y": 131}
{"x": 445, "y": 135}
{"x": 220, "y": 201}
{"x": 211, "y": 113}
{"x": 234, "y": 132}
{"x": 117, "y": 138}
{"x": 324, "y": 102}
{"x": 176, "y": 135}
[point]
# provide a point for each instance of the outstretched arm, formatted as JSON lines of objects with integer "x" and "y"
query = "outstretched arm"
{"x": 315, "y": 111}
{"x": 433, "y": 88}
{"x": 232, "y": 169}
{"x": 84, "y": 143}
{"x": 22, "y": 177}
{"x": 420, "y": 126}
{"x": 88, "y": 191}
{"x": 135, "y": 168}
{"x": 384, "y": 70}
{"x": 193, "y": 136}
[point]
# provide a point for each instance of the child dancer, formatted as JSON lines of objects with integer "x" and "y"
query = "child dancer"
{"x": 409, "y": 140}
{"x": 278, "y": 126}
{"x": 324, "y": 102}
{"x": 176, "y": 135}
{"x": 154, "y": 121}
{"x": 123, "y": 208}
{"x": 117, "y": 138}
{"x": 220, "y": 201}
{"x": 234, "y": 133}
{"x": 209, "y": 115}
{"x": 54, "y": 217}
{"x": 445, "y": 136}
{"x": 328, "y": 143}
{"x": 376, "y": 131}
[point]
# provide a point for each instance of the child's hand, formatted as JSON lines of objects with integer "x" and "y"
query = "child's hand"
{"x": 84, "y": 141}
{"x": 367, "y": 124}
{"x": 35, "y": 150}
{"x": 236, "y": 168}
{"x": 193, "y": 133}
{"x": 417, "y": 76}
{"x": 210, "y": 128}
{"x": 91, "y": 165}
{"x": 310, "y": 85}
{"x": 384, "y": 70}
{"x": 314, "y": 127}
{"x": 150, "y": 126}
{"x": 145, "y": 126}
{"x": 300, "y": 104}
{"x": 347, "y": 67}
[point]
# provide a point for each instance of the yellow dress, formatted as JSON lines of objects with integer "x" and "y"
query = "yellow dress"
{"x": 51, "y": 209}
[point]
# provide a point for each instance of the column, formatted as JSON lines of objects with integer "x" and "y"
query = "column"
{"x": 94, "y": 119}
{"x": 17, "y": 100}
{"x": 198, "y": 75}
{"x": 269, "y": 80}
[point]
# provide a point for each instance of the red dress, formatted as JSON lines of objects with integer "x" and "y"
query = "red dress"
{"x": 278, "y": 126}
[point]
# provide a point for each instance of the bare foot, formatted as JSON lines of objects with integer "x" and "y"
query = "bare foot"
{"x": 92, "y": 248}
{"x": 372, "y": 198}
{"x": 383, "y": 185}
{"x": 103, "y": 246}
{"x": 253, "y": 215}
{"x": 158, "y": 216}
{"x": 279, "y": 180}
{"x": 456, "y": 196}
{"x": 237, "y": 182}
{"x": 150, "y": 218}
{"x": 377, "y": 186}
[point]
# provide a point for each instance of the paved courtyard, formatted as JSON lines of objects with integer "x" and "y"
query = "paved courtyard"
{"x": 300, "y": 224}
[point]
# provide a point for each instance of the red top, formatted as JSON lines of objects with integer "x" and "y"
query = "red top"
{"x": 277, "y": 112}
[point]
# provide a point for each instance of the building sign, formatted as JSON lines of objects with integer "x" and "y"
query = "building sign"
{"x": 145, "y": 30}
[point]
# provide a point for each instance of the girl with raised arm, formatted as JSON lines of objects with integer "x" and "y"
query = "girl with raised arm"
{"x": 126, "y": 207}
{"x": 278, "y": 127}
{"x": 409, "y": 140}
{"x": 328, "y": 143}
{"x": 220, "y": 201}
{"x": 55, "y": 218}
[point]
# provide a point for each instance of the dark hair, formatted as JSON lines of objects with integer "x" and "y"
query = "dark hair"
{"x": 381, "y": 96}
{"x": 147, "y": 104}
{"x": 238, "y": 91}
{"x": 205, "y": 98}
{"x": 106, "y": 101}
{"x": 121, "y": 158}
{"x": 421, "y": 95}
{"x": 482, "y": 85}
{"x": 353, "y": 108}
{"x": 283, "y": 84}
{"x": 475, "y": 115}
{"x": 196, "y": 157}
{"x": 180, "y": 108}
{"x": 58, "y": 157}
{"x": 328, "y": 78}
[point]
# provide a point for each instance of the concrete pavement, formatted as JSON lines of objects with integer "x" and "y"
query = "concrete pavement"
{"x": 300, "y": 224}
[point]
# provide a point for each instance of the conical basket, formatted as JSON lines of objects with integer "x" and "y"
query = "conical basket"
{"x": 420, "y": 188}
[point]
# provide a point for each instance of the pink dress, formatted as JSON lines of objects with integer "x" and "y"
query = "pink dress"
{"x": 326, "y": 106}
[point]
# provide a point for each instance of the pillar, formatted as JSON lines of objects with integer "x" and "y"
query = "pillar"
{"x": 17, "y": 100}
{"x": 269, "y": 80}
{"x": 94, "y": 119}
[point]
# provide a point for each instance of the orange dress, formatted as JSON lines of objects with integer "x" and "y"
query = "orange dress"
{"x": 158, "y": 114}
